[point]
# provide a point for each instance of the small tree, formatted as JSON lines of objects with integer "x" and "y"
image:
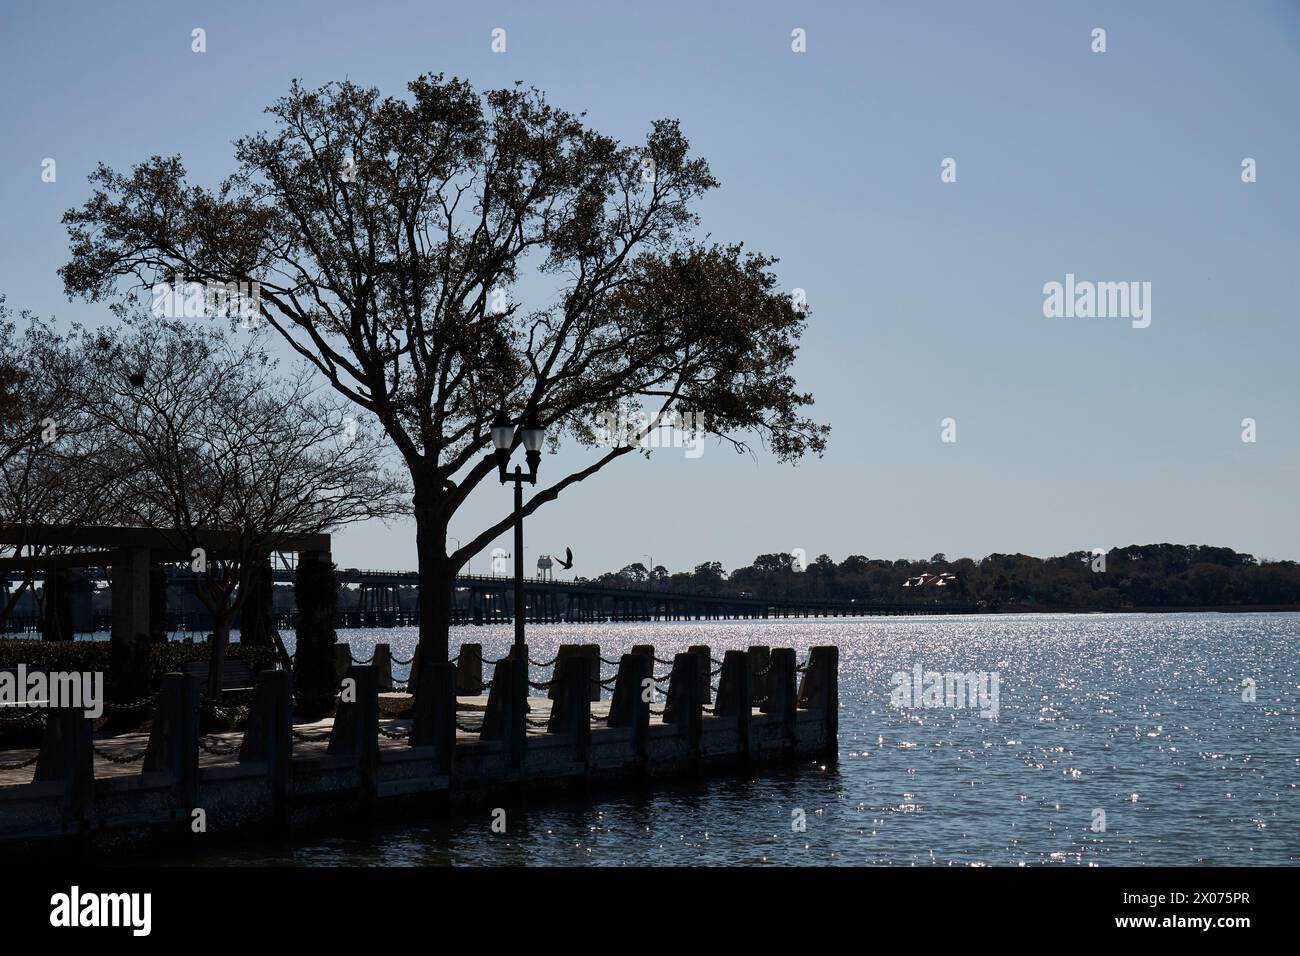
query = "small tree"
{"x": 387, "y": 236}
{"x": 207, "y": 437}
{"x": 45, "y": 446}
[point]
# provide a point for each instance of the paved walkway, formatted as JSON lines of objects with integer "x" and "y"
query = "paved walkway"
{"x": 469, "y": 713}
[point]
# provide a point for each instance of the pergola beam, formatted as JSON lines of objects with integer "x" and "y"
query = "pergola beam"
{"x": 166, "y": 545}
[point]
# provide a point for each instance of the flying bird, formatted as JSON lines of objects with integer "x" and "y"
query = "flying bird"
{"x": 568, "y": 559}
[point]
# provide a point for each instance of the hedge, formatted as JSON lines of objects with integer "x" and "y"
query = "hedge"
{"x": 94, "y": 655}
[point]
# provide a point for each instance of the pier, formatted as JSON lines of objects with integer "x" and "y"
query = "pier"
{"x": 390, "y": 599}
{"x": 687, "y": 715}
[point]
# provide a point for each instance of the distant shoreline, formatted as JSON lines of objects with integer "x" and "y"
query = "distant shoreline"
{"x": 1217, "y": 608}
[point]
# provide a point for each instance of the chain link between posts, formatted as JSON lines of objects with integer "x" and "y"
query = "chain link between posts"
{"x": 218, "y": 751}
{"x": 113, "y": 758}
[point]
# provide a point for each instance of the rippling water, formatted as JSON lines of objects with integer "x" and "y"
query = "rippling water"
{"x": 1138, "y": 716}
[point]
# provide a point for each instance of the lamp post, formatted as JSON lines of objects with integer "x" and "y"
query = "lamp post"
{"x": 530, "y": 433}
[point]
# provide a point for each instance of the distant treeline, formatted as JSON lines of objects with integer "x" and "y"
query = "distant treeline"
{"x": 1138, "y": 576}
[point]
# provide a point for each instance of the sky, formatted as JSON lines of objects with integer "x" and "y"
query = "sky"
{"x": 926, "y": 297}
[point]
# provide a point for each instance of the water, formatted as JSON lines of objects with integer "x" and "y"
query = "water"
{"x": 1138, "y": 716}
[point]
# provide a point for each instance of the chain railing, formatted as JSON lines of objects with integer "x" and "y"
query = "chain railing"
{"x": 218, "y": 751}
{"x": 114, "y": 758}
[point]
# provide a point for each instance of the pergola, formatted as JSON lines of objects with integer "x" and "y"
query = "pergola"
{"x": 131, "y": 553}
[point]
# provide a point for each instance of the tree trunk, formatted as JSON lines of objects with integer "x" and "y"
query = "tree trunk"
{"x": 435, "y": 573}
{"x": 217, "y": 653}
{"x": 435, "y": 576}
{"x": 56, "y": 622}
{"x": 256, "y": 624}
{"x": 158, "y": 605}
{"x": 11, "y": 601}
{"x": 315, "y": 590}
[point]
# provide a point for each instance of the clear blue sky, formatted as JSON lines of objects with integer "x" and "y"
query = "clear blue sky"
{"x": 926, "y": 298}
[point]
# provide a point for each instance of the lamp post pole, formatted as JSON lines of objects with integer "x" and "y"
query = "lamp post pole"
{"x": 520, "y": 729}
{"x": 504, "y": 436}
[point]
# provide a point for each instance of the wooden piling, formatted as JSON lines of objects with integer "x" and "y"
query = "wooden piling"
{"x": 174, "y": 737}
{"x": 781, "y": 696}
{"x": 571, "y": 712}
{"x": 356, "y": 724}
{"x": 383, "y": 664}
{"x": 498, "y": 718}
{"x": 630, "y": 706}
{"x": 67, "y": 754}
{"x": 469, "y": 670}
{"x": 342, "y": 660}
{"x": 592, "y": 653}
{"x": 819, "y": 690}
{"x": 268, "y": 735}
{"x": 562, "y": 654}
{"x": 413, "y": 676}
{"x": 684, "y": 706}
{"x": 735, "y": 696}
{"x": 706, "y": 671}
{"x": 760, "y": 656}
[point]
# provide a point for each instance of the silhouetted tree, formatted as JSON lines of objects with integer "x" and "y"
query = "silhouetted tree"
{"x": 44, "y": 450}
{"x": 386, "y": 234}
{"x": 204, "y": 435}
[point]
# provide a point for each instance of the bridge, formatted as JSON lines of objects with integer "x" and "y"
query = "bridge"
{"x": 388, "y": 598}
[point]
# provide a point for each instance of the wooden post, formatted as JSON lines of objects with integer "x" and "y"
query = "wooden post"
{"x": 735, "y": 695}
{"x": 647, "y": 649}
{"x": 819, "y": 690}
{"x": 562, "y": 654}
{"x": 130, "y": 589}
{"x": 760, "y": 656}
{"x": 592, "y": 651}
{"x": 684, "y": 707}
{"x": 414, "y": 675}
{"x": 498, "y": 719}
{"x": 469, "y": 670}
{"x": 781, "y": 692}
{"x": 342, "y": 660}
{"x": 174, "y": 737}
{"x": 268, "y": 735}
{"x": 356, "y": 723}
{"x": 67, "y": 754}
{"x": 383, "y": 663}
{"x": 706, "y": 670}
{"x": 571, "y": 713}
{"x": 442, "y": 719}
{"x": 630, "y": 708}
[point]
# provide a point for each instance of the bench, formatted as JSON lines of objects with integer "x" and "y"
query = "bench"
{"x": 235, "y": 675}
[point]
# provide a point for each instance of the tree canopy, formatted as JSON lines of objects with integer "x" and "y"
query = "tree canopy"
{"x": 389, "y": 239}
